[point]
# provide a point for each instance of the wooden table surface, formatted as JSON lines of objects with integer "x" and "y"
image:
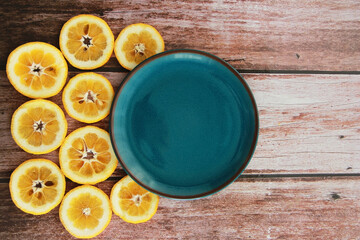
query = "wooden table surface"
{"x": 301, "y": 59}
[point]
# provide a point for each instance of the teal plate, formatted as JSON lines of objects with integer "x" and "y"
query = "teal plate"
{"x": 184, "y": 124}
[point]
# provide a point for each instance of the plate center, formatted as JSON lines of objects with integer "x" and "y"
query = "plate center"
{"x": 183, "y": 125}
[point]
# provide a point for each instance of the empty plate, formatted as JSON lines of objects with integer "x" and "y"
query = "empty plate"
{"x": 184, "y": 124}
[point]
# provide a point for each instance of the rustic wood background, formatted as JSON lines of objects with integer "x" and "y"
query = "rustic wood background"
{"x": 302, "y": 61}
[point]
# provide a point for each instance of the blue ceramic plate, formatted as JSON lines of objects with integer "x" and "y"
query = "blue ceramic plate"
{"x": 184, "y": 124}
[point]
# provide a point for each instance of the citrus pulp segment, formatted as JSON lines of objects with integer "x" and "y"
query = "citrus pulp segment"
{"x": 131, "y": 202}
{"x": 86, "y": 156}
{"x": 37, "y": 70}
{"x": 87, "y": 97}
{"x": 137, "y": 42}
{"x": 85, "y": 211}
{"x": 86, "y": 41}
{"x": 37, "y": 186}
{"x": 38, "y": 126}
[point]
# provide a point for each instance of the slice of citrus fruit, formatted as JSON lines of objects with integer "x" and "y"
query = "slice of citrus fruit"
{"x": 137, "y": 42}
{"x": 37, "y": 70}
{"x": 38, "y": 126}
{"x": 85, "y": 211}
{"x": 88, "y": 97}
{"x": 86, "y": 41}
{"x": 86, "y": 156}
{"x": 131, "y": 202}
{"x": 37, "y": 186}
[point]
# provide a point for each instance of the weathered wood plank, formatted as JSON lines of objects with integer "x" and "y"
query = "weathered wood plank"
{"x": 254, "y": 35}
{"x": 286, "y": 208}
{"x": 308, "y": 124}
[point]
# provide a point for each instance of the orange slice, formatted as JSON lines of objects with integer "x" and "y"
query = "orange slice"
{"x": 131, "y": 202}
{"x": 37, "y": 186}
{"x": 38, "y": 126}
{"x": 85, "y": 211}
{"x": 86, "y": 41}
{"x": 86, "y": 156}
{"x": 88, "y": 97}
{"x": 137, "y": 42}
{"x": 37, "y": 70}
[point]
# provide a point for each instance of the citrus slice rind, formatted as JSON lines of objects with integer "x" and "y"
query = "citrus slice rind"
{"x": 85, "y": 211}
{"x": 87, "y": 97}
{"x": 37, "y": 70}
{"x": 137, "y": 42}
{"x": 131, "y": 202}
{"x": 86, "y": 41}
{"x": 87, "y": 156}
{"x": 37, "y": 186}
{"x": 38, "y": 126}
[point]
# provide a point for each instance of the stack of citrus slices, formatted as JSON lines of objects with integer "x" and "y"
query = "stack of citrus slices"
{"x": 39, "y": 70}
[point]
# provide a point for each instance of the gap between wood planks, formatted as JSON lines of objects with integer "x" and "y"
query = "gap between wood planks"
{"x": 120, "y": 69}
{"x": 255, "y": 71}
{"x": 258, "y": 176}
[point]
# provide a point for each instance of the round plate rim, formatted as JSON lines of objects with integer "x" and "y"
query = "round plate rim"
{"x": 229, "y": 67}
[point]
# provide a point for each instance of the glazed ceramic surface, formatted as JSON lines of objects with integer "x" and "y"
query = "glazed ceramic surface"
{"x": 184, "y": 124}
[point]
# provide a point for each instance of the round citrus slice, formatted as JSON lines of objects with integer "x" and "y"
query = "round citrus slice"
{"x": 38, "y": 126}
{"x": 37, "y": 186}
{"x": 137, "y": 42}
{"x": 131, "y": 202}
{"x": 88, "y": 97}
{"x": 37, "y": 70}
{"x": 86, "y": 41}
{"x": 85, "y": 211}
{"x": 86, "y": 156}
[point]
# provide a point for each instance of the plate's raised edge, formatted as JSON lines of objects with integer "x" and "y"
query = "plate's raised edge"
{"x": 228, "y": 66}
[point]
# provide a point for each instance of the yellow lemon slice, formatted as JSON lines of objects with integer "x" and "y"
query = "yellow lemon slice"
{"x": 38, "y": 126}
{"x": 85, "y": 211}
{"x": 86, "y": 41}
{"x": 131, "y": 202}
{"x": 86, "y": 156}
{"x": 137, "y": 42}
{"x": 88, "y": 97}
{"x": 37, "y": 70}
{"x": 37, "y": 186}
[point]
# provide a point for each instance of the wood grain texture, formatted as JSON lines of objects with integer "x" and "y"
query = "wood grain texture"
{"x": 252, "y": 35}
{"x": 308, "y": 124}
{"x": 308, "y": 148}
{"x": 286, "y": 208}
